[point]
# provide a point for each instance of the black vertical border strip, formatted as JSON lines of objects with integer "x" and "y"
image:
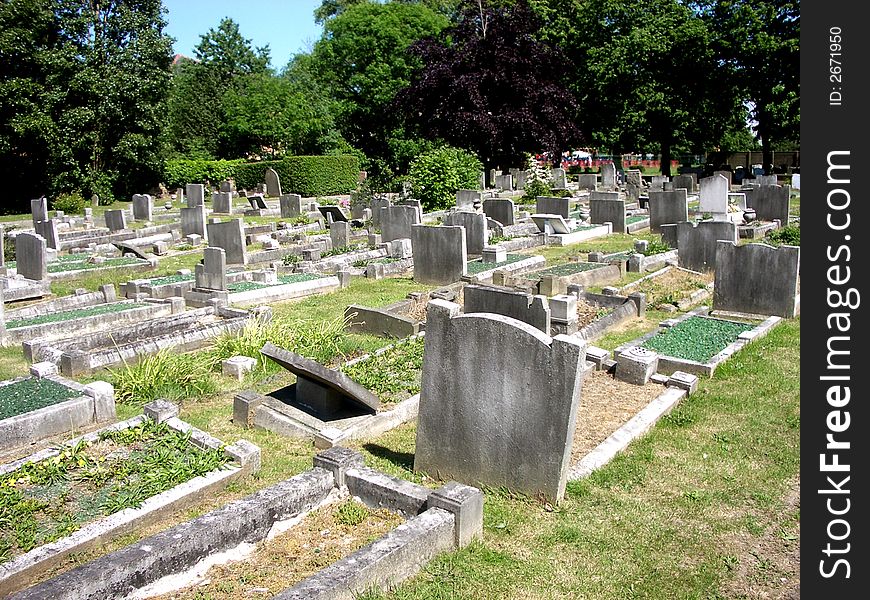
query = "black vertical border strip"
{"x": 827, "y": 128}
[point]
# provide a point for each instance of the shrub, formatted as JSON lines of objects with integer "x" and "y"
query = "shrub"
{"x": 436, "y": 175}
{"x": 537, "y": 181}
{"x": 72, "y": 203}
{"x": 789, "y": 235}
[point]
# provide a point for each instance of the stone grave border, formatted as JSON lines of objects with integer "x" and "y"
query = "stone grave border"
{"x": 140, "y": 265}
{"x": 601, "y": 274}
{"x": 668, "y": 364}
{"x": 284, "y": 291}
{"x": 259, "y": 410}
{"x": 24, "y": 289}
{"x": 639, "y": 263}
{"x": 686, "y": 303}
{"x": 18, "y": 572}
{"x": 566, "y": 239}
{"x": 80, "y": 299}
{"x": 436, "y": 521}
{"x": 96, "y": 404}
{"x": 384, "y": 322}
{"x": 521, "y": 266}
{"x": 637, "y": 225}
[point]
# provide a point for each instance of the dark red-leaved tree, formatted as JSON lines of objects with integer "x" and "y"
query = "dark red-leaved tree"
{"x": 488, "y": 85}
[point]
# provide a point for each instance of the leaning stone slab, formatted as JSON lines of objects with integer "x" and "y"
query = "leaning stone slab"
{"x": 309, "y": 370}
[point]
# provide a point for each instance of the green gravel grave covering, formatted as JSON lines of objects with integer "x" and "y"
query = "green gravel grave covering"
{"x": 636, "y": 219}
{"x": 68, "y": 315}
{"x": 246, "y": 286}
{"x": 477, "y": 266}
{"x": 584, "y": 228}
{"x": 564, "y": 270}
{"x": 170, "y": 279}
{"x": 697, "y": 338}
{"x": 80, "y": 265}
{"x": 48, "y": 500}
{"x": 32, "y": 394}
{"x": 77, "y": 257}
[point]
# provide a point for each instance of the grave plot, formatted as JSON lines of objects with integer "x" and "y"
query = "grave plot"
{"x": 578, "y": 233}
{"x": 696, "y": 343}
{"x": 480, "y": 270}
{"x": 107, "y": 483}
{"x": 365, "y": 397}
{"x": 650, "y": 256}
{"x": 182, "y": 332}
{"x": 673, "y": 288}
{"x": 756, "y": 229}
{"x": 16, "y": 287}
{"x": 596, "y": 313}
{"x": 80, "y": 321}
{"x": 299, "y": 538}
{"x": 250, "y": 292}
{"x": 168, "y": 286}
{"x": 634, "y": 223}
{"x": 73, "y": 265}
{"x": 555, "y": 280}
{"x": 35, "y": 408}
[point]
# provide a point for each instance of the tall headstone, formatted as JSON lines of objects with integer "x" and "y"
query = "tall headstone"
{"x": 560, "y": 179}
{"x": 222, "y": 202}
{"x": 504, "y": 418}
{"x": 770, "y": 202}
{"x": 230, "y": 237}
{"x": 551, "y": 205}
{"x": 193, "y": 221}
{"x": 440, "y": 257}
{"x": 476, "y": 229}
{"x": 726, "y": 174}
{"x": 518, "y": 177}
{"x": 396, "y": 221}
{"x": 116, "y": 220}
{"x": 714, "y": 196}
{"x": 667, "y": 207}
{"x": 607, "y": 207}
{"x": 467, "y": 198}
{"x": 608, "y": 176}
{"x": 212, "y": 273}
{"x": 376, "y": 205}
{"x": 756, "y": 279}
{"x": 30, "y": 258}
{"x": 273, "y": 183}
{"x": 697, "y": 243}
{"x": 685, "y": 181}
{"x": 39, "y": 210}
{"x": 499, "y": 209}
{"x": 291, "y": 205}
{"x": 523, "y": 306}
{"x": 339, "y": 234}
{"x": 143, "y": 207}
{"x": 48, "y": 230}
{"x": 195, "y": 194}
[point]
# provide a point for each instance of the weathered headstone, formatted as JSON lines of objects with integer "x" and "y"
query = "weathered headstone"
{"x": 396, "y": 222}
{"x": 228, "y": 186}
{"x": 667, "y": 207}
{"x": 770, "y": 202}
{"x": 658, "y": 183}
{"x": 30, "y": 256}
{"x": 116, "y": 220}
{"x": 440, "y": 256}
{"x": 522, "y": 306}
{"x": 230, "y": 237}
{"x": 796, "y": 181}
{"x": 757, "y": 279}
{"x": 195, "y": 194}
{"x": 257, "y": 202}
{"x": 504, "y": 182}
{"x": 49, "y": 231}
{"x": 503, "y": 418}
{"x": 39, "y": 210}
{"x": 143, "y": 207}
{"x": 686, "y": 181}
{"x": 222, "y": 202}
{"x": 560, "y": 180}
{"x": 499, "y": 209}
{"x": 551, "y": 205}
{"x": 765, "y": 180}
{"x": 476, "y": 229}
{"x": 273, "y": 183}
{"x": 634, "y": 177}
{"x": 714, "y": 196}
{"x": 468, "y": 197}
{"x": 291, "y": 205}
{"x": 339, "y": 234}
{"x": 212, "y": 273}
{"x": 193, "y": 221}
{"x": 726, "y": 174}
{"x": 697, "y": 243}
{"x": 607, "y": 207}
{"x": 608, "y": 176}
{"x": 519, "y": 178}
{"x": 587, "y": 181}
{"x": 376, "y": 205}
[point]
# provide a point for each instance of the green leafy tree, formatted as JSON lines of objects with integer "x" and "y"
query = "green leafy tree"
{"x": 437, "y": 174}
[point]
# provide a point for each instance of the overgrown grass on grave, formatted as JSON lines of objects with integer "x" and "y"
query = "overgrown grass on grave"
{"x": 392, "y": 375}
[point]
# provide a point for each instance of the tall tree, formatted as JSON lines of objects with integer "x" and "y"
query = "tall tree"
{"x": 362, "y": 61}
{"x": 492, "y": 87}
{"x": 94, "y": 75}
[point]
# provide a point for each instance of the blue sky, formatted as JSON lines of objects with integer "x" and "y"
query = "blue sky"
{"x": 287, "y": 26}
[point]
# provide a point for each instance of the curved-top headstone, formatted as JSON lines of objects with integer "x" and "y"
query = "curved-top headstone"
{"x": 273, "y": 183}
{"x": 329, "y": 378}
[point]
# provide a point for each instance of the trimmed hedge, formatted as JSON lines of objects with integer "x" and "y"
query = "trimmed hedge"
{"x": 304, "y": 175}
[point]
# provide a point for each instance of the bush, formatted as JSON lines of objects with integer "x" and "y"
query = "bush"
{"x": 436, "y": 175}
{"x": 305, "y": 175}
{"x": 71, "y": 204}
{"x": 790, "y": 235}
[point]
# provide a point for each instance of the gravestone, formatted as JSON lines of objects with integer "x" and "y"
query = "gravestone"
{"x": 257, "y": 202}
{"x": 332, "y": 214}
{"x": 193, "y": 221}
{"x": 440, "y": 255}
{"x": 339, "y": 234}
{"x": 506, "y": 418}
{"x": 553, "y": 206}
{"x": 476, "y": 229}
{"x": 770, "y": 202}
{"x": 518, "y": 176}
{"x": 726, "y": 175}
{"x": 48, "y": 230}
{"x": 634, "y": 177}
{"x": 765, "y": 180}
{"x": 608, "y": 176}
{"x": 632, "y": 192}
{"x": 230, "y": 237}
{"x": 658, "y": 183}
{"x": 757, "y": 279}
{"x": 697, "y": 243}
{"x": 322, "y": 392}
{"x": 291, "y": 205}
{"x": 481, "y": 180}
{"x": 522, "y": 306}
{"x": 211, "y": 274}
{"x": 796, "y": 181}
{"x": 607, "y": 207}
{"x": 273, "y": 183}
{"x": 143, "y": 207}
{"x": 95, "y": 201}
{"x": 499, "y": 209}
{"x": 550, "y": 224}
{"x": 467, "y": 198}
{"x": 222, "y": 202}
{"x": 667, "y": 207}
{"x": 376, "y": 205}
{"x": 39, "y": 210}
{"x": 686, "y": 181}
{"x": 195, "y": 194}
{"x": 714, "y": 196}
{"x": 504, "y": 182}
{"x": 116, "y": 220}
{"x": 560, "y": 180}
{"x": 228, "y": 186}
{"x": 30, "y": 256}
{"x": 396, "y": 222}
{"x": 587, "y": 181}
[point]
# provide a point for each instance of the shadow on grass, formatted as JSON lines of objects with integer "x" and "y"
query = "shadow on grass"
{"x": 403, "y": 460}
